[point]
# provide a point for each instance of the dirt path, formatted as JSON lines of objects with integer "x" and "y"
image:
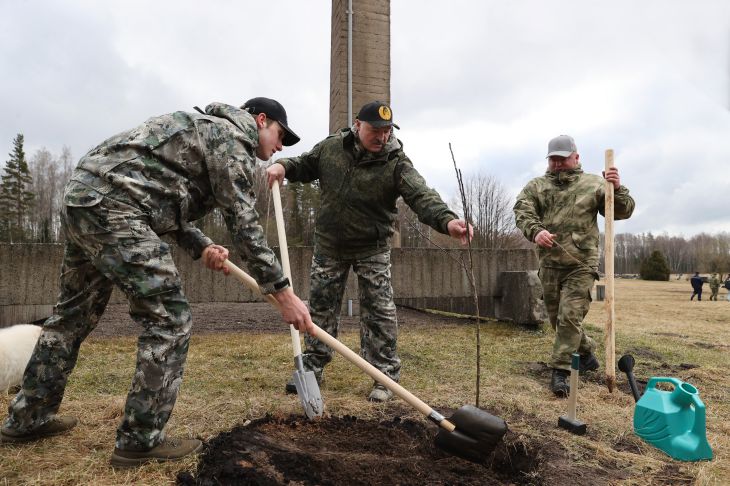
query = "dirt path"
{"x": 244, "y": 317}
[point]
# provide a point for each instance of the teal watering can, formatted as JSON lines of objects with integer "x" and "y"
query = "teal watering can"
{"x": 673, "y": 421}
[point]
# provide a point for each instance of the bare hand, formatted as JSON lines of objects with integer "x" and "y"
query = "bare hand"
{"x": 612, "y": 176}
{"x": 545, "y": 239}
{"x": 457, "y": 229}
{"x": 294, "y": 311}
{"x": 275, "y": 172}
{"x": 214, "y": 256}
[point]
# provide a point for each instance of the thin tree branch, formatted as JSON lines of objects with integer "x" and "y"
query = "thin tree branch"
{"x": 470, "y": 272}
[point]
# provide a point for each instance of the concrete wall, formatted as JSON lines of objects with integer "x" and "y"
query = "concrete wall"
{"x": 422, "y": 278}
{"x": 370, "y": 57}
{"x": 433, "y": 279}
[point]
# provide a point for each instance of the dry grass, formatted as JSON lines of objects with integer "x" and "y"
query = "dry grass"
{"x": 232, "y": 378}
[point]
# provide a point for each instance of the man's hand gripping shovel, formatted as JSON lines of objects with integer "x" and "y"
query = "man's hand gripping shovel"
{"x": 305, "y": 381}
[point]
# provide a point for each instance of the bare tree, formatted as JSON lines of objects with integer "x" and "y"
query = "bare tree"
{"x": 44, "y": 220}
{"x": 491, "y": 209}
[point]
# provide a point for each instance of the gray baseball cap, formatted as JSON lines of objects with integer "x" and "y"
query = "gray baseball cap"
{"x": 562, "y": 146}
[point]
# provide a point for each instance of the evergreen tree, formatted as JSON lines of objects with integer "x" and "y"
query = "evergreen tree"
{"x": 16, "y": 198}
{"x": 654, "y": 267}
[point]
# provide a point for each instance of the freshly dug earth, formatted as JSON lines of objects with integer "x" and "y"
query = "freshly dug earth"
{"x": 348, "y": 450}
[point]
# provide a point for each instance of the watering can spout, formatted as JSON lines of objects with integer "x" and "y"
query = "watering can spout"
{"x": 673, "y": 422}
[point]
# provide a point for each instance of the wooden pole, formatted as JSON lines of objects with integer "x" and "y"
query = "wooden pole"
{"x": 608, "y": 266}
{"x": 284, "y": 250}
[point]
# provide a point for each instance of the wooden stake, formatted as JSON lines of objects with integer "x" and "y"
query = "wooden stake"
{"x": 608, "y": 266}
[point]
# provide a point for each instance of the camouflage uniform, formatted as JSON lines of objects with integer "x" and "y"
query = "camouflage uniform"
{"x": 143, "y": 183}
{"x": 359, "y": 190}
{"x": 566, "y": 203}
{"x": 714, "y": 286}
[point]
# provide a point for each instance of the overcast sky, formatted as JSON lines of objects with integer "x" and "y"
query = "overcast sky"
{"x": 649, "y": 79}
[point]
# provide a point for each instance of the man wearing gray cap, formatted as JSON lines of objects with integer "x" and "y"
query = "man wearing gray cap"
{"x": 558, "y": 212}
{"x": 362, "y": 171}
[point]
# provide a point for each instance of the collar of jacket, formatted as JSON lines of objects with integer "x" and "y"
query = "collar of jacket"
{"x": 242, "y": 119}
{"x": 563, "y": 177}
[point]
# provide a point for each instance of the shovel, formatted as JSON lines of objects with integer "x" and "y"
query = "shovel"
{"x": 570, "y": 422}
{"x": 471, "y": 433}
{"x": 305, "y": 381}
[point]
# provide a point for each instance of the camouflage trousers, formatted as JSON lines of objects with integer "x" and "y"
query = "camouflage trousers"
{"x": 378, "y": 322}
{"x": 567, "y": 296}
{"x": 714, "y": 291}
{"x": 111, "y": 244}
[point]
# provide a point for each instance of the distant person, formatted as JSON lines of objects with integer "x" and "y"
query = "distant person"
{"x": 362, "y": 172}
{"x": 696, "y": 282}
{"x": 714, "y": 286}
{"x": 558, "y": 212}
{"x": 152, "y": 180}
{"x": 727, "y": 286}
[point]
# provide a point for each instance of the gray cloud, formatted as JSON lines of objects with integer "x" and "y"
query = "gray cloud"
{"x": 496, "y": 79}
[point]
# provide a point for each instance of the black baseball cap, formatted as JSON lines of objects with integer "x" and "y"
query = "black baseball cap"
{"x": 272, "y": 109}
{"x": 378, "y": 114}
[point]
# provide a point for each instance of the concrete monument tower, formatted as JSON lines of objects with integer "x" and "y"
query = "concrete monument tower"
{"x": 360, "y": 57}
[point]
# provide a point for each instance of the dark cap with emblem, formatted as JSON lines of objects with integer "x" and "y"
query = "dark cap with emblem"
{"x": 272, "y": 109}
{"x": 378, "y": 114}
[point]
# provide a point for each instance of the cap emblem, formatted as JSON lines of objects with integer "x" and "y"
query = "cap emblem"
{"x": 385, "y": 113}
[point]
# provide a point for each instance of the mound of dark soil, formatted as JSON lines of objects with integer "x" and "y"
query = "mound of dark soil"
{"x": 352, "y": 451}
{"x": 348, "y": 450}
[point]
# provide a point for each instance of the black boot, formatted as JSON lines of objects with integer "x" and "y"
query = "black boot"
{"x": 588, "y": 362}
{"x": 559, "y": 383}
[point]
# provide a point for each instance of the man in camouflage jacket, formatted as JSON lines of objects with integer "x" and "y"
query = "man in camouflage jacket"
{"x": 150, "y": 181}
{"x": 362, "y": 171}
{"x": 558, "y": 211}
{"x": 714, "y": 286}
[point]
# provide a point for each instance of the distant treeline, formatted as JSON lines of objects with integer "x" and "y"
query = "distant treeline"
{"x": 31, "y": 195}
{"x": 703, "y": 252}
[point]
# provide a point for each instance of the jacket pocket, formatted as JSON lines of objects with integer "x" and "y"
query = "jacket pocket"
{"x": 584, "y": 241}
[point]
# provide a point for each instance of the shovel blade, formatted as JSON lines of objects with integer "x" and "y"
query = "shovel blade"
{"x": 476, "y": 435}
{"x": 309, "y": 394}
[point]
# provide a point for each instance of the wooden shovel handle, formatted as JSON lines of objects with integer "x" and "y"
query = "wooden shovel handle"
{"x": 284, "y": 250}
{"x": 608, "y": 266}
{"x": 349, "y": 354}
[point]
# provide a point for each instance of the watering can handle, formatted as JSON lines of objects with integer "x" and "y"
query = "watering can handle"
{"x": 699, "y": 424}
{"x": 663, "y": 379}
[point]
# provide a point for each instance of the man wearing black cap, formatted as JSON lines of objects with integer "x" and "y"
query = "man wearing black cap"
{"x": 150, "y": 181}
{"x": 362, "y": 171}
{"x": 558, "y": 212}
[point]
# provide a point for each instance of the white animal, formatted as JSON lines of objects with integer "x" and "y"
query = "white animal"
{"x": 16, "y": 345}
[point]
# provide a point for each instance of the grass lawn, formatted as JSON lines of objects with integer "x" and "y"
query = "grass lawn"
{"x": 231, "y": 378}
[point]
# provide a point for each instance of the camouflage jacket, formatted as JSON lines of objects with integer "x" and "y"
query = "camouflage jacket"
{"x": 359, "y": 190}
{"x": 567, "y": 204}
{"x": 176, "y": 168}
{"x": 714, "y": 282}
